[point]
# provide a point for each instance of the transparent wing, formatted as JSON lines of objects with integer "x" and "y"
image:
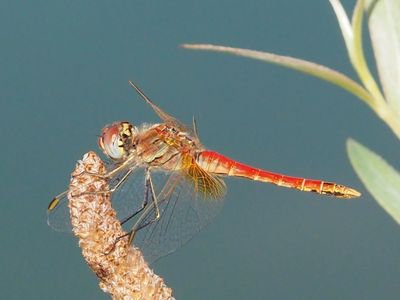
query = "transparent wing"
{"x": 184, "y": 211}
{"x": 58, "y": 216}
{"x": 164, "y": 116}
{"x": 187, "y": 201}
{"x": 129, "y": 197}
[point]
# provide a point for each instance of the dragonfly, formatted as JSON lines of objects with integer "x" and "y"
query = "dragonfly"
{"x": 169, "y": 184}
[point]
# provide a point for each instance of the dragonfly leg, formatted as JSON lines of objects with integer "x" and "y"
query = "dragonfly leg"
{"x": 94, "y": 174}
{"x": 128, "y": 164}
{"x": 131, "y": 234}
{"x": 133, "y": 214}
{"x": 111, "y": 249}
{"x": 122, "y": 180}
{"x": 101, "y": 176}
{"x": 150, "y": 192}
{"x": 134, "y": 230}
{"x": 119, "y": 182}
{"x": 124, "y": 165}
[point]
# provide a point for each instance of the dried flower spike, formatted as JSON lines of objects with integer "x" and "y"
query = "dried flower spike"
{"x": 121, "y": 268}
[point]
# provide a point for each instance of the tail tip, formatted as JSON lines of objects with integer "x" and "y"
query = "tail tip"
{"x": 352, "y": 193}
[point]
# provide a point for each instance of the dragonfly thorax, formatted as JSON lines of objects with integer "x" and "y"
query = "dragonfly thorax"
{"x": 118, "y": 140}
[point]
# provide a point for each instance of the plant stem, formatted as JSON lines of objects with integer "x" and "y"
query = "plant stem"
{"x": 389, "y": 117}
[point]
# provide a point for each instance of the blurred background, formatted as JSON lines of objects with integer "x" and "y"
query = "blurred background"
{"x": 64, "y": 74}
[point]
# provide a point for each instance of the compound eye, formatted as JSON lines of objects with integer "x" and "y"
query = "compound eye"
{"x": 112, "y": 142}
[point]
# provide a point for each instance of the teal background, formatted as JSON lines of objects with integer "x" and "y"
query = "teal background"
{"x": 64, "y": 67}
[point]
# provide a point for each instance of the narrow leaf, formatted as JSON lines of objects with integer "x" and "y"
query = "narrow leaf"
{"x": 344, "y": 24}
{"x": 358, "y": 57}
{"x": 356, "y": 22}
{"x": 384, "y": 27}
{"x": 380, "y": 179}
{"x": 304, "y": 66}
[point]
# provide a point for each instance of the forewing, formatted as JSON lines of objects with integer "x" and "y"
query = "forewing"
{"x": 184, "y": 209}
{"x": 127, "y": 197}
{"x": 162, "y": 114}
{"x": 165, "y": 117}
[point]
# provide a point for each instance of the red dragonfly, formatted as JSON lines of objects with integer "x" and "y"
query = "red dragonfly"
{"x": 171, "y": 185}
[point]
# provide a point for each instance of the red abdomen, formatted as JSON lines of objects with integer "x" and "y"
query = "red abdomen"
{"x": 216, "y": 163}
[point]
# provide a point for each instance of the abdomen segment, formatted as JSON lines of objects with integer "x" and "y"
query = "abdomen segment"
{"x": 216, "y": 163}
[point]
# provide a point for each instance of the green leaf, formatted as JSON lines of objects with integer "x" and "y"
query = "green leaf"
{"x": 304, "y": 66}
{"x": 352, "y": 35}
{"x": 384, "y": 27}
{"x": 360, "y": 64}
{"x": 344, "y": 24}
{"x": 356, "y": 23}
{"x": 380, "y": 179}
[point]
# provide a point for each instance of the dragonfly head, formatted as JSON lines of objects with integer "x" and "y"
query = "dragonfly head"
{"x": 118, "y": 140}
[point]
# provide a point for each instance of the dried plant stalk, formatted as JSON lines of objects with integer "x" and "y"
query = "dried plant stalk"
{"x": 121, "y": 268}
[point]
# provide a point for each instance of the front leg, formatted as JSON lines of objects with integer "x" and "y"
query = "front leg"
{"x": 129, "y": 164}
